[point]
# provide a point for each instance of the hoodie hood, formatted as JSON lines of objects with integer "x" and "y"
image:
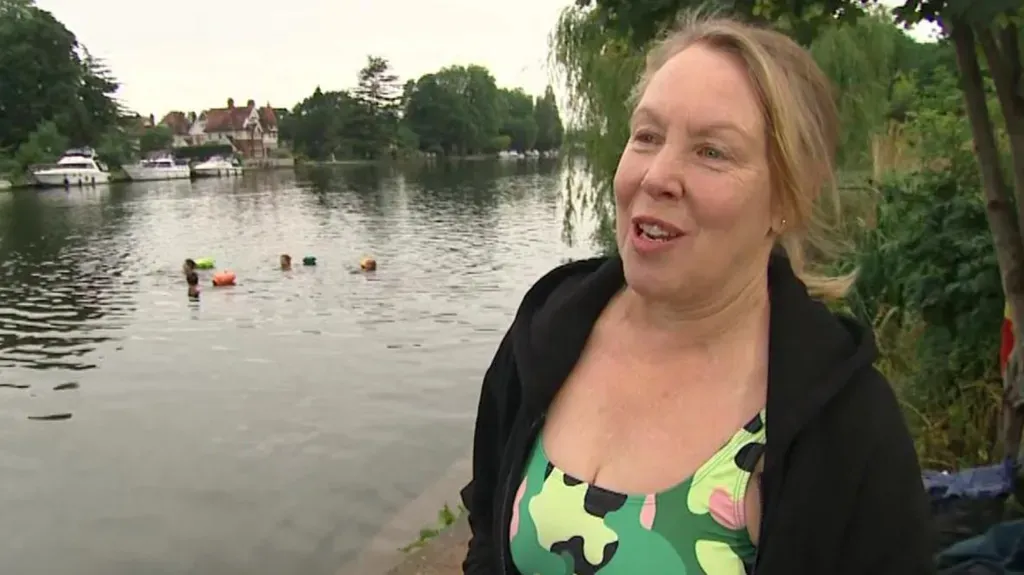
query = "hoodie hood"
{"x": 813, "y": 353}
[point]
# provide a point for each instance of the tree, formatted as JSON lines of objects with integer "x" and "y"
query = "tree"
{"x": 457, "y": 110}
{"x": 863, "y": 62}
{"x": 598, "y": 37}
{"x": 481, "y": 93}
{"x": 640, "y": 21}
{"x": 927, "y": 265}
{"x": 379, "y": 95}
{"x": 549, "y": 122}
{"x": 995, "y": 26}
{"x": 48, "y": 76}
{"x": 599, "y": 66}
{"x": 615, "y": 32}
{"x": 155, "y": 139}
{"x": 440, "y": 116}
{"x": 519, "y": 123}
{"x": 95, "y": 110}
{"x": 43, "y": 145}
{"x": 320, "y": 127}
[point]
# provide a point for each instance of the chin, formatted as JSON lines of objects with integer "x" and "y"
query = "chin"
{"x": 650, "y": 280}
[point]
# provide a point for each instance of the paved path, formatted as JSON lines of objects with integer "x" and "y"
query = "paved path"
{"x": 382, "y": 554}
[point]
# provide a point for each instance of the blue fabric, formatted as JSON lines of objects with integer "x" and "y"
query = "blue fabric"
{"x": 999, "y": 551}
{"x": 973, "y": 483}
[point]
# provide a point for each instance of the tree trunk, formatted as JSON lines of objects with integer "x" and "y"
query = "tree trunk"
{"x": 1000, "y": 211}
{"x": 1003, "y": 222}
{"x": 1004, "y": 65}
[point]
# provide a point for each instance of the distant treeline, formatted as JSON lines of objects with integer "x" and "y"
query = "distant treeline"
{"x": 458, "y": 110}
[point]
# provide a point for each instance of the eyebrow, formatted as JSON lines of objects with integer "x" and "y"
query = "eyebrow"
{"x": 645, "y": 113}
{"x": 704, "y": 129}
{"x": 712, "y": 128}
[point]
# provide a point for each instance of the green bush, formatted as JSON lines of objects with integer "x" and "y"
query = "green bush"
{"x": 930, "y": 284}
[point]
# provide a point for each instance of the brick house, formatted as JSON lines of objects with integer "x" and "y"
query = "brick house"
{"x": 250, "y": 129}
{"x": 179, "y": 126}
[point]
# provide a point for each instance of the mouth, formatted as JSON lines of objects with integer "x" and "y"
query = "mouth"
{"x": 655, "y": 230}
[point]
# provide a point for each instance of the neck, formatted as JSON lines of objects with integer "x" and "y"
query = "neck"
{"x": 735, "y": 314}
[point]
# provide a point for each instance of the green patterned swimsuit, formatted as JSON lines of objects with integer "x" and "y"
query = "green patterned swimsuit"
{"x": 563, "y": 526}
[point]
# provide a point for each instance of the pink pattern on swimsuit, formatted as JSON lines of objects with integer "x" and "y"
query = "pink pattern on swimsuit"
{"x": 513, "y": 526}
{"x": 725, "y": 511}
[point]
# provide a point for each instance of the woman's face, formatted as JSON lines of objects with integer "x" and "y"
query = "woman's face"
{"x": 692, "y": 189}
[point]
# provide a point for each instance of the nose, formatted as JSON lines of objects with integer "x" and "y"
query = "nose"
{"x": 664, "y": 176}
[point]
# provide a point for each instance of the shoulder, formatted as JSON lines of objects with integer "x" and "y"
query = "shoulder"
{"x": 556, "y": 285}
{"x": 865, "y": 432}
{"x": 869, "y": 409}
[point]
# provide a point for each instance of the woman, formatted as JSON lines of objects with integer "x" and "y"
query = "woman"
{"x": 690, "y": 406}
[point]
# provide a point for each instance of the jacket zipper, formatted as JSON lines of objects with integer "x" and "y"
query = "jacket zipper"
{"x": 510, "y": 480}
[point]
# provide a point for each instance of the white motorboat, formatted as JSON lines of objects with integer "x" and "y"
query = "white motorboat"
{"x": 77, "y": 167}
{"x": 162, "y": 167}
{"x": 217, "y": 167}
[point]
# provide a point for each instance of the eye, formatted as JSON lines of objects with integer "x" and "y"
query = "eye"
{"x": 711, "y": 153}
{"x": 645, "y": 137}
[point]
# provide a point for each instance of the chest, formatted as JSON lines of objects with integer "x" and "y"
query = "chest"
{"x": 637, "y": 426}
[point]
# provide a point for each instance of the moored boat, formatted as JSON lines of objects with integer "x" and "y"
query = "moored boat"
{"x": 217, "y": 167}
{"x": 159, "y": 167}
{"x": 77, "y": 167}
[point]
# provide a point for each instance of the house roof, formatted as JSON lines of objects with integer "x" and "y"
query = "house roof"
{"x": 177, "y": 122}
{"x": 226, "y": 119}
{"x": 233, "y": 118}
{"x": 268, "y": 117}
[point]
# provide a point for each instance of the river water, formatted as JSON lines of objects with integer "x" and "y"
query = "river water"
{"x": 275, "y": 426}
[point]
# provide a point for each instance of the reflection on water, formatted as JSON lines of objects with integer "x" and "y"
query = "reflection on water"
{"x": 61, "y": 285}
{"x": 274, "y": 426}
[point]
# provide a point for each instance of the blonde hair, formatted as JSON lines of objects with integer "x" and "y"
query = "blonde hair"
{"x": 802, "y": 122}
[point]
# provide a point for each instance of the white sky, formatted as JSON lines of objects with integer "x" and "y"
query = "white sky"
{"x": 194, "y": 54}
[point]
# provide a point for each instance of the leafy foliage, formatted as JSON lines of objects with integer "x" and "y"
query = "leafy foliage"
{"x": 932, "y": 272}
{"x": 600, "y": 71}
{"x": 53, "y": 93}
{"x": 378, "y": 96}
{"x": 458, "y": 110}
{"x": 550, "y": 130}
{"x": 640, "y": 21}
{"x": 155, "y": 138}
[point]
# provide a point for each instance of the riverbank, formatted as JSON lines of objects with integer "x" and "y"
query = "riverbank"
{"x": 441, "y": 555}
{"x": 18, "y": 182}
{"x": 406, "y": 530}
{"x": 402, "y": 160}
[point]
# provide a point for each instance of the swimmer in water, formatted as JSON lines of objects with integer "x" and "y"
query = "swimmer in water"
{"x": 193, "y": 285}
{"x": 286, "y": 262}
{"x": 189, "y": 267}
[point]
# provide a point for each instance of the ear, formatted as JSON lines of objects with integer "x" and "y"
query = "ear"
{"x": 776, "y": 216}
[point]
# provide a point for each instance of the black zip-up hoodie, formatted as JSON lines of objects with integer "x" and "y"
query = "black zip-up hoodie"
{"x": 841, "y": 491}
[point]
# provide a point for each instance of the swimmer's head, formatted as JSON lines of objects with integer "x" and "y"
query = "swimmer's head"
{"x": 286, "y": 262}
{"x": 189, "y": 265}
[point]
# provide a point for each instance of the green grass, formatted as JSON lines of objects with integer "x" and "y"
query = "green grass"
{"x": 445, "y": 518}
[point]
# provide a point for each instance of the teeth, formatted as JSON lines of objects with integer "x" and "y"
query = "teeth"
{"x": 654, "y": 231}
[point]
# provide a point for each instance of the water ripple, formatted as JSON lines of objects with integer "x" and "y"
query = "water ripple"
{"x": 273, "y": 426}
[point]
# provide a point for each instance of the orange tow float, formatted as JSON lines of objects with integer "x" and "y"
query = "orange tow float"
{"x": 224, "y": 278}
